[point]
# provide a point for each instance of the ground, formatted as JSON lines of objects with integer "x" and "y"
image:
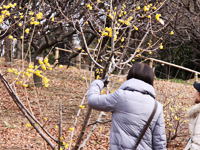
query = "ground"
{"x": 67, "y": 87}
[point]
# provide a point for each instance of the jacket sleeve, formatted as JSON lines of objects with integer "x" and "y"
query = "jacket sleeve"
{"x": 159, "y": 136}
{"x": 100, "y": 102}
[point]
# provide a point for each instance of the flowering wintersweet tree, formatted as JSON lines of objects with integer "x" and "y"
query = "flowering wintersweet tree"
{"x": 113, "y": 34}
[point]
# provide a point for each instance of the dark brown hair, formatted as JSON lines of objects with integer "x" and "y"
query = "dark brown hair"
{"x": 197, "y": 100}
{"x": 142, "y": 72}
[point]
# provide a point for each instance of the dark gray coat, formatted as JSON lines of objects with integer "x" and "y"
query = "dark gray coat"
{"x": 130, "y": 112}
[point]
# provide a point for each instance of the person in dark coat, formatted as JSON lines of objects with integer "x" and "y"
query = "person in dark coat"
{"x": 131, "y": 109}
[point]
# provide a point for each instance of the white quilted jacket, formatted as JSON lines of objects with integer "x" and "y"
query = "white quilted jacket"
{"x": 194, "y": 128}
{"x": 130, "y": 112}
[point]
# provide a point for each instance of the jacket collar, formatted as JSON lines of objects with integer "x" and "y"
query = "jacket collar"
{"x": 194, "y": 111}
{"x": 139, "y": 85}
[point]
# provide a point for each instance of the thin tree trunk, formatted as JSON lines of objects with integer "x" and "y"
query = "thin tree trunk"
{"x": 18, "y": 54}
{"x": 7, "y": 49}
{"x": 38, "y": 80}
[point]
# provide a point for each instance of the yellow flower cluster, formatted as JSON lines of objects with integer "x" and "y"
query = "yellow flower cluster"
{"x": 89, "y": 6}
{"x": 45, "y": 81}
{"x": 28, "y": 125}
{"x": 82, "y": 106}
{"x": 27, "y": 30}
{"x": 39, "y": 15}
{"x": 35, "y": 22}
{"x": 31, "y": 13}
{"x": 4, "y": 13}
{"x": 10, "y": 5}
{"x": 158, "y": 16}
{"x": 161, "y": 46}
{"x": 71, "y": 129}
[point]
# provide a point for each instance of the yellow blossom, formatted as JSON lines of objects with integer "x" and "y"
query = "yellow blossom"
{"x": 27, "y": 30}
{"x": 21, "y": 37}
{"x": 40, "y": 62}
{"x": 71, "y": 129}
{"x": 138, "y": 8}
{"x": 150, "y": 52}
{"x": 45, "y": 119}
{"x": 104, "y": 33}
{"x": 146, "y": 8}
{"x": 9, "y": 70}
{"x": 32, "y": 19}
{"x": 67, "y": 145}
{"x": 60, "y": 66}
{"x": 122, "y": 40}
{"x": 82, "y": 106}
{"x": 25, "y": 85}
{"x": 46, "y": 85}
{"x": 110, "y": 16}
{"x": 28, "y": 125}
{"x": 158, "y": 16}
{"x": 30, "y": 66}
{"x": 172, "y": 32}
{"x": 133, "y": 60}
{"x": 39, "y": 15}
{"x": 56, "y": 127}
{"x": 10, "y": 37}
{"x": 20, "y": 24}
{"x": 135, "y": 27}
{"x": 52, "y": 19}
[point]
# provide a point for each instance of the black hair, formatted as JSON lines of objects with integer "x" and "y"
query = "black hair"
{"x": 142, "y": 72}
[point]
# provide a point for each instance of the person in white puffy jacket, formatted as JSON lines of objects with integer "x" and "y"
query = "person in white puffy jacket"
{"x": 131, "y": 106}
{"x": 194, "y": 121}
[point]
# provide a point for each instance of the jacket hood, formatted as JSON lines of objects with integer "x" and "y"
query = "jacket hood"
{"x": 194, "y": 111}
{"x": 135, "y": 84}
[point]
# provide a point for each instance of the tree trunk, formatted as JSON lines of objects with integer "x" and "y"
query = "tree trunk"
{"x": 18, "y": 53}
{"x": 38, "y": 80}
{"x": 7, "y": 49}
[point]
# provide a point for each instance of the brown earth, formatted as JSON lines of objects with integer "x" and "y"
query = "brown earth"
{"x": 67, "y": 87}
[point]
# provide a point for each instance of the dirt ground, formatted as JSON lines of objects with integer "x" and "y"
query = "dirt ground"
{"x": 67, "y": 87}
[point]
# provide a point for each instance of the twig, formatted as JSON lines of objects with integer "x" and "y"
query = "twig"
{"x": 84, "y": 126}
{"x": 76, "y": 120}
{"x": 90, "y": 132}
{"x": 101, "y": 122}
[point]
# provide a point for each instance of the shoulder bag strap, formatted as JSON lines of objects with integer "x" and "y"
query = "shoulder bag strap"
{"x": 146, "y": 126}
